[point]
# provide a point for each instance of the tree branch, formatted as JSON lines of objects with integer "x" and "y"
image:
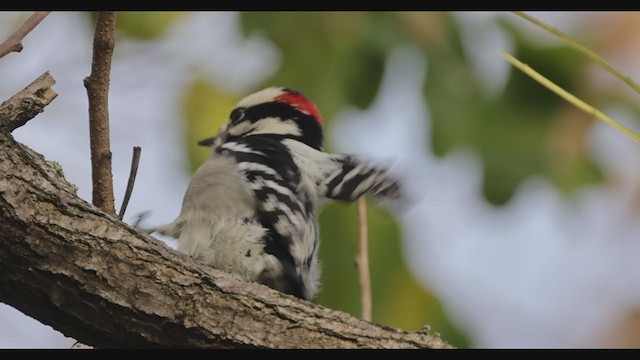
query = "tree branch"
{"x": 14, "y": 42}
{"x": 92, "y": 277}
{"x": 26, "y": 104}
{"x": 97, "y": 85}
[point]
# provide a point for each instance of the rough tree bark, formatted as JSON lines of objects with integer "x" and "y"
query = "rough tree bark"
{"x": 92, "y": 277}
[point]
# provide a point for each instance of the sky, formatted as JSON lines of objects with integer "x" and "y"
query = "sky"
{"x": 542, "y": 271}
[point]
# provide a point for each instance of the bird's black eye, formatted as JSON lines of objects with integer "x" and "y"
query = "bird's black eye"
{"x": 236, "y": 115}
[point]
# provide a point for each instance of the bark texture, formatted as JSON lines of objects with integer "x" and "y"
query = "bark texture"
{"x": 92, "y": 277}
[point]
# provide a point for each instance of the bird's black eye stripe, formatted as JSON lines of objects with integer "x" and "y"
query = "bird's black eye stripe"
{"x": 236, "y": 115}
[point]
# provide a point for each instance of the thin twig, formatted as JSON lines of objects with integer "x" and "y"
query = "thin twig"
{"x": 567, "y": 95}
{"x": 362, "y": 261}
{"x": 135, "y": 160}
{"x": 97, "y": 84}
{"x": 14, "y": 42}
{"x": 583, "y": 49}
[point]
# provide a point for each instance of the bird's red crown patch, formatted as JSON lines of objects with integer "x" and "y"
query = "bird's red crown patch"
{"x": 301, "y": 103}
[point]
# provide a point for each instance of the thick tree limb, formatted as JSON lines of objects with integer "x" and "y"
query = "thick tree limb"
{"x": 14, "y": 42}
{"x": 97, "y": 84}
{"x": 92, "y": 277}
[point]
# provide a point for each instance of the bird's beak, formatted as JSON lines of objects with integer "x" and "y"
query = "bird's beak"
{"x": 208, "y": 141}
{"x": 216, "y": 139}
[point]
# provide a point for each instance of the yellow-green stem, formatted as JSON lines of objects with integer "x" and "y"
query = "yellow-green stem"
{"x": 576, "y": 45}
{"x": 566, "y": 95}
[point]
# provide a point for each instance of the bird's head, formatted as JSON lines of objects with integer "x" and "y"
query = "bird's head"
{"x": 273, "y": 111}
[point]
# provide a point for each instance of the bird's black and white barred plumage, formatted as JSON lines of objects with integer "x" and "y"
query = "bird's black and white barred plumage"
{"x": 251, "y": 207}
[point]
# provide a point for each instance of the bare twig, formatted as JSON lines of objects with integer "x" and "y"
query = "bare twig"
{"x": 583, "y": 49}
{"x": 135, "y": 160}
{"x": 28, "y": 103}
{"x": 97, "y": 84}
{"x": 577, "y": 102}
{"x": 362, "y": 261}
{"x": 14, "y": 42}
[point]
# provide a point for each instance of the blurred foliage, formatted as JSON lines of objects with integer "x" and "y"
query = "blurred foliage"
{"x": 146, "y": 25}
{"x": 398, "y": 299}
{"x": 511, "y": 131}
{"x": 206, "y": 109}
{"x": 338, "y": 58}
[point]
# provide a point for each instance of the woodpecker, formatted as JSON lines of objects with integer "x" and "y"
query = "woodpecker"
{"x": 251, "y": 207}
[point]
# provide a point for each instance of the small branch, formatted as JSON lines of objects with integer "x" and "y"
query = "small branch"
{"x": 14, "y": 42}
{"x": 28, "y": 103}
{"x": 577, "y": 102}
{"x": 97, "y": 85}
{"x": 135, "y": 160}
{"x": 362, "y": 261}
{"x": 583, "y": 49}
